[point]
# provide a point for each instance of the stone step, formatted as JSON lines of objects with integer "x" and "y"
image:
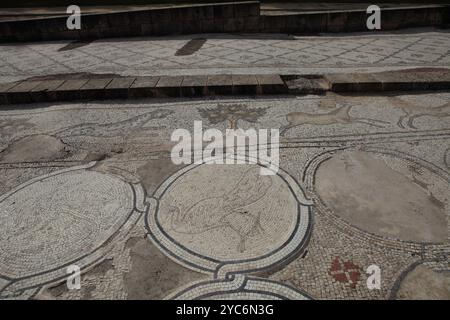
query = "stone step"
{"x": 403, "y": 80}
{"x": 218, "y": 18}
{"x": 107, "y": 87}
{"x": 102, "y": 87}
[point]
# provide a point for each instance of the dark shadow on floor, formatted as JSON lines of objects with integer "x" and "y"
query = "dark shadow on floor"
{"x": 76, "y": 44}
{"x": 191, "y": 47}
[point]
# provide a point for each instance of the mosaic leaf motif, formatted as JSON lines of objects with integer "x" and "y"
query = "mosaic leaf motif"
{"x": 231, "y": 113}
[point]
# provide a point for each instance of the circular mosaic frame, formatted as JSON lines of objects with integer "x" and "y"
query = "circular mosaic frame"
{"x": 223, "y": 269}
{"x": 239, "y": 287}
{"x": 309, "y": 176}
{"x": 18, "y": 286}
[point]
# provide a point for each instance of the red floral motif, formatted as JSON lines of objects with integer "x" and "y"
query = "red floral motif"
{"x": 345, "y": 271}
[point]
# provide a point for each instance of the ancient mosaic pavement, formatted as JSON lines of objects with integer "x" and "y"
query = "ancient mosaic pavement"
{"x": 364, "y": 180}
{"x": 238, "y": 53}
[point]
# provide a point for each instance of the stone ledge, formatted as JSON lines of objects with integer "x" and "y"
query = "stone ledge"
{"x": 100, "y": 88}
{"x": 111, "y": 87}
{"x": 217, "y": 18}
{"x": 403, "y": 80}
{"x": 355, "y": 20}
{"x": 183, "y": 19}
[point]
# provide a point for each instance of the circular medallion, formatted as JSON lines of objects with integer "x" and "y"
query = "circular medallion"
{"x": 214, "y": 216}
{"x": 385, "y": 194}
{"x": 60, "y": 218}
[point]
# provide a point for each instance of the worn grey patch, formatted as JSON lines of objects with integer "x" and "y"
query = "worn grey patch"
{"x": 154, "y": 172}
{"x": 101, "y": 268}
{"x": 88, "y": 290}
{"x": 58, "y": 290}
{"x": 34, "y": 148}
{"x": 152, "y": 274}
{"x": 367, "y": 193}
{"x": 423, "y": 283}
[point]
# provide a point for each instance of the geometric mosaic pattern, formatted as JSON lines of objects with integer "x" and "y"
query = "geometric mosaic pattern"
{"x": 150, "y": 56}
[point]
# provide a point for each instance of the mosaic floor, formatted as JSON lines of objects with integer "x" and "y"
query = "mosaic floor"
{"x": 363, "y": 180}
{"x": 241, "y": 54}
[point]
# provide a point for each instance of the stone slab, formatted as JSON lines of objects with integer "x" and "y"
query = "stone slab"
{"x": 143, "y": 87}
{"x": 220, "y": 80}
{"x": 72, "y": 84}
{"x": 120, "y": 83}
{"x": 194, "y": 86}
{"x": 241, "y": 80}
{"x": 244, "y": 84}
{"x": 96, "y": 84}
{"x": 24, "y": 86}
{"x": 47, "y": 85}
{"x": 169, "y": 81}
{"x": 70, "y": 89}
{"x": 21, "y": 92}
{"x": 4, "y": 87}
{"x": 353, "y": 82}
{"x": 431, "y": 80}
{"x": 169, "y": 86}
{"x": 45, "y": 91}
{"x": 390, "y": 81}
{"x": 145, "y": 82}
{"x": 118, "y": 87}
{"x": 95, "y": 89}
{"x": 271, "y": 84}
{"x": 220, "y": 84}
